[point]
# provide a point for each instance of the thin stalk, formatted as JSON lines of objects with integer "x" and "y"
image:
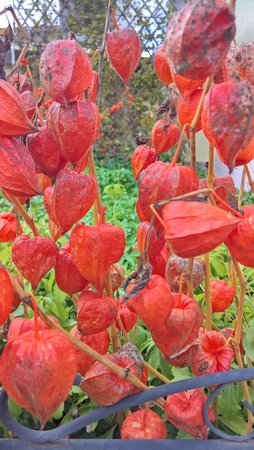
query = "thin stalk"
{"x": 208, "y": 293}
{"x": 156, "y": 373}
{"x": 176, "y": 155}
{"x": 199, "y": 108}
{"x": 189, "y": 278}
{"x": 28, "y": 219}
{"x": 238, "y": 335}
{"x": 193, "y": 149}
{"x": 240, "y": 196}
{"x": 251, "y": 183}
{"x": 232, "y": 5}
{"x": 75, "y": 299}
{"x": 103, "y": 45}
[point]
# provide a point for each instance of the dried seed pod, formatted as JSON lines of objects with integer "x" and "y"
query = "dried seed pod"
{"x": 185, "y": 85}
{"x": 164, "y": 136}
{"x": 128, "y": 318}
{"x": 143, "y": 424}
{"x": 94, "y": 313}
{"x": 186, "y": 109}
{"x": 17, "y": 169}
{"x": 45, "y": 152}
{"x": 71, "y": 192}
{"x": 6, "y": 295}
{"x": 240, "y": 242}
{"x": 142, "y": 157}
{"x": 157, "y": 240}
{"x": 210, "y": 354}
{"x": 68, "y": 278}
{"x": 13, "y": 118}
{"x": 94, "y": 249}
{"x": 104, "y": 386}
{"x": 8, "y": 227}
{"x": 240, "y": 62}
{"x": 161, "y": 66}
{"x": 20, "y": 325}
{"x": 185, "y": 411}
{"x": 65, "y": 70}
{"x": 177, "y": 266}
{"x": 34, "y": 257}
{"x": 198, "y": 38}
{"x": 75, "y": 127}
{"x": 130, "y": 350}
{"x": 194, "y": 228}
{"x": 29, "y": 103}
{"x": 228, "y": 119}
{"x": 22, "y": 82}
{"x": 162, "y": 181}
{"x": 123, "y": 48}
{"x": 180, "y": 327}
{"x": 38, "y": 374}
{"x": 222, "y": 295}
{"x": 153, "y": 304}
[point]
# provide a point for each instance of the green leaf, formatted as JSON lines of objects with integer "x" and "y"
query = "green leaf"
{"x": 108, "y": 434}
{"x": 236, "y": 424}
{"x": 229, "y": 401}
{"x": 59, "y": 412}
{"x": 14, "y": 408}
{"x": 115, "y": 190}
{"x": 154, "y": 358}
{"x": 248, "y": 341}
{"x": 182, "y": 435}
{"x": 181, "y": 373}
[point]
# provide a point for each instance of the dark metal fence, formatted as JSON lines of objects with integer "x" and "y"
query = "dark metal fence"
{"x": 54, "y": 438}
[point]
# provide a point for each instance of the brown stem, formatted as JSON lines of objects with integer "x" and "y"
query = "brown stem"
{"x": 204, "y": 191}
{"x": 189, "y": 278}
{"x": 239, "y": 318}
{"x": 193, "y": 149}
{"x": 28, "y": 219}
{"x": 113, "y": 330}
{"x": 94, "y": 55}
{"x": 240, "y": 196}
{"x": 114, "y": 19}
{"x": 176, "y": 155}
{"x": 21, "y": 56}
{"x": 92, "y": 170}
{"x": 208, "y": 293}
{"x": 156, "y": 373}
{"x": 232, "y": 5}
{"x": 199, "y": 108}
{"x": 75, "y": 299}
{"x": 251, "y": 183}
{"x": 103, "y": 45}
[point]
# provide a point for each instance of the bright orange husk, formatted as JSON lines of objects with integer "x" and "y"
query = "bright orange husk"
{"x": 194, "y": 228}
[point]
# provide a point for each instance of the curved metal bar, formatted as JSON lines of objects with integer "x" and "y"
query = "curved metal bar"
{"x": 229, "y": 437}
{"x": 35, "y": 436}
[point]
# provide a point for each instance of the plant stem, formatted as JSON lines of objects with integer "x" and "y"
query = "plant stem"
{"x": 193, "y": 149}
{"x": 176, "y": 155}
{"x": 232, "y": 5}
{"x": 251, "y": 183}
{"x": 199, "y": 108}
{"x": 189, "y": 278}
{"x": 103, "y": 45}
{"x": 28, "y": 219}
{"x": 208, "y": 293}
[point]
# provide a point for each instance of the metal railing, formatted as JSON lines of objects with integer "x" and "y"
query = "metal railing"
{"x": 57, "y": 435}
